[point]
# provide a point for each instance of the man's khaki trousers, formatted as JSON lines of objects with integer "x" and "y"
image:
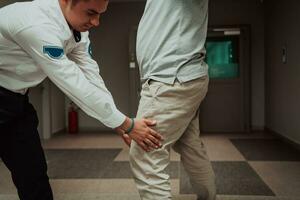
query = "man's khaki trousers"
{"x": 176, "y": 110}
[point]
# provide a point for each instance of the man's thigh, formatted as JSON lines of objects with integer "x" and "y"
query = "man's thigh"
{"x": 172, "y": 106}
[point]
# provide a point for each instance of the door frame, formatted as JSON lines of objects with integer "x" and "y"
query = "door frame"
{"x": 134, "y": 76}
{"x": 244, "y": 33}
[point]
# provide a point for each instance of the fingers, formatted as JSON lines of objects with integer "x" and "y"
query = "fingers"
{"x": 126, "y": 139}
{"x": 149, "y": 144}
{"x": 156, "y": 142}
{"x": 144, "y": 146}
{"x": 147, "y": 138}
{"x": 156, "y": 134}
{"x": 150, "y": 122}
{"x": 151, "y": 141}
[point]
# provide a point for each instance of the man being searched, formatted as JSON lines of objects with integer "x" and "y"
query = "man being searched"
{"x": 49, "y": 38}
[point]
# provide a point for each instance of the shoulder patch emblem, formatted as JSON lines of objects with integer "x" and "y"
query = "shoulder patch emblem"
{"x": 53, "y": 51}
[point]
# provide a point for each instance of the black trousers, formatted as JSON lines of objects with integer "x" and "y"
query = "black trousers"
{"x": 20, "y": 147}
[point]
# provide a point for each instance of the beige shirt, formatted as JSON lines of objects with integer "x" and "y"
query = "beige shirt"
{"x": 170, "y": 40}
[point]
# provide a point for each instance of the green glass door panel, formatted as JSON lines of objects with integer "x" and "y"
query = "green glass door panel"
{"x": 222, "y": 59}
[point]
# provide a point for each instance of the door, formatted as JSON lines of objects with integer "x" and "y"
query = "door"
{"x": 226, "y": 106}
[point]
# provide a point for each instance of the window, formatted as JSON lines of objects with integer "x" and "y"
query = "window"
{"x": 222, "y": 57}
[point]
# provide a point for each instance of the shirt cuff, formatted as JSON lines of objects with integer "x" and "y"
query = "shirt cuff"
{"x": 115, "y": 120}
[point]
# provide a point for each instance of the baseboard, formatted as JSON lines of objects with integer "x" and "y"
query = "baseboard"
{"x": 59, "y": 131}
{"x": 257, "y": 128}
{"x": 85, "y": 131}
{"x": 286, "y": 139}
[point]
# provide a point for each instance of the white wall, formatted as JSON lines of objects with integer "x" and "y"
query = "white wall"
{"x": 6, "y": 2}
{"x": 283, "y": 80}
{"x": 57, "y": 99}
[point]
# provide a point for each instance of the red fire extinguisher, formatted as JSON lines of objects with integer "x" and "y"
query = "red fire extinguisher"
{"x": 73, "y": 119}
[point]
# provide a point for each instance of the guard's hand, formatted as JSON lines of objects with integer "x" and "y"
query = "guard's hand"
{"x": 127, "y": 139}
{"x": 124, "y": 136}
{"x": 144, "y": 136}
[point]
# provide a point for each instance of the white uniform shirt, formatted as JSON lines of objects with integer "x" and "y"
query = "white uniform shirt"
{"x": 36, "y": 42}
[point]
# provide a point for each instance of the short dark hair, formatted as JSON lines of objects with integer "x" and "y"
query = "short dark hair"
{"x": 74, "y": 2}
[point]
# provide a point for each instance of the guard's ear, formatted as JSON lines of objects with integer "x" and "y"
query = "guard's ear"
{"x": 65, "y": 3}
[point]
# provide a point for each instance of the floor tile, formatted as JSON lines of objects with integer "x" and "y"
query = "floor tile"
{"x": 123, "y": 155}
{"x": 79, "y": 163}
{"x": 8, "y": 197}
{"x": 245, "y": 135}
{"x": 6, "y": 184}
{"x": 102, "y": 186}
{"x": 252, "y": 197}
{"x": 85, "y": 141}
{"x": 94, "y": 166}
{"x": 122, "y": 196}
{"x": 221, "y": 149}
{"x": 266, "y": 150}
{"x": 282, "y": 177}
{"x": 86, "y": 186}
{"x": 232, "y": 178}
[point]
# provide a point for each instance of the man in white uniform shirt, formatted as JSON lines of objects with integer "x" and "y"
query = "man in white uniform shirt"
{"x": 49, "y": 38}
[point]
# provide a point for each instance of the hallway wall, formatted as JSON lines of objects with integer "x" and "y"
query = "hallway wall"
{"x": 250, "y": 12}
{"x": 110, "y": 48}
{"x": 57, "y": 101}
{"x": 110, "y": 45}
{"x": 283, "y": 80}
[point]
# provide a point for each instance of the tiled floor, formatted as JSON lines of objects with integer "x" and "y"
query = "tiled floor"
{"x": 249, "y": 166}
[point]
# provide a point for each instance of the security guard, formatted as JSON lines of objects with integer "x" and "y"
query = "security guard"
{"x": 49, "y": 38}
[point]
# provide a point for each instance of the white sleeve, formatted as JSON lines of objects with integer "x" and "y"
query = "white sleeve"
{"x": 82, "y": 56}
{"x": 47, "y": 50}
